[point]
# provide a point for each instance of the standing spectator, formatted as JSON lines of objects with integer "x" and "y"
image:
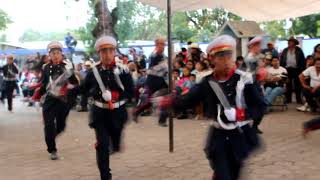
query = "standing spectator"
{"x": 292, "y": 58}
{"x": 312, "y": 91}
{"x": 84, "y": 97}
{"x": 270, "y": 50}
{"x": 70, "y": 42}
{"x": 195, "y": 53}
{"x": 141, "y": 61}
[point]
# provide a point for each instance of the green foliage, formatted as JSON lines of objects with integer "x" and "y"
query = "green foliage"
{"x": 33, "y": 35}
{"x": 208, "y": 21}
{"x": 308, "y": 25}
{"x": 276, "y": 29}
{"x": 3, "y": 38}
{"x": 135, "y": 21}
{"x": 4, "y": 20}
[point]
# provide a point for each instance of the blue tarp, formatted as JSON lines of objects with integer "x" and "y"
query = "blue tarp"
{"x": 23, "y": 52}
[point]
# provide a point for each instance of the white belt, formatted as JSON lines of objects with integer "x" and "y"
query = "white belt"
{"x": 9, "y": 79}
{"x": 240, "y": 124}
{"x": 107, "y": 106}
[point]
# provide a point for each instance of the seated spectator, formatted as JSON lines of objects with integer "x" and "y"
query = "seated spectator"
{"x": 311, "y": 91}
{"x": 175, "y": 76}
{"x": 202, "y": 71}
{"x": 179, "y": 65}
{"x": 190, "y": 66}
{"x": 309, "y": 62}
{"x": 268, "y": 60}
{"x": 182, "y": 87}
{"x": 184, "y": 54}
{"x": 180, "y": 84}
{"x": 276, "y": 80}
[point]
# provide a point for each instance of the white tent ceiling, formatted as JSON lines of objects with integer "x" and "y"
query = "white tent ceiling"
{"x": 255, "y": 10}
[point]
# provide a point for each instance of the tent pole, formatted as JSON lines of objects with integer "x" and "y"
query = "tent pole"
{"x": 171, "y": 143}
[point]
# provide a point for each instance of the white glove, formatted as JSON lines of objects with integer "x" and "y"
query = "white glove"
{"x": 70, "y": 86}
{"x": 141, "y": 90}
{"x": 231, "y": 114}
{"x": 68, "y": 65}
{"x": 106, "y": 95}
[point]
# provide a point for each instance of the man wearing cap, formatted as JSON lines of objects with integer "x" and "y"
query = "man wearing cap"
{"x": 270, "y": 50}
{"x": 253, "y": 60}
{"x": 110, "y": 85}
{"x": 292, "y": 58}
{"x": 10, "y": 72}
{"x": 58, "y": 80}
{"x": 196, "y": 54}
{"x": 156, "y": 80}
{"x": 84, "y": 98}
{"x": 232, "y": 98}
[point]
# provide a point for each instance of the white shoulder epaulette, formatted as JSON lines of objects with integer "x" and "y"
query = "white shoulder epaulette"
{"x": 120, "y": 66}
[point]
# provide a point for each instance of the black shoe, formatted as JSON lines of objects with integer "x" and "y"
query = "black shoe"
{"x": 163, "y": 125}
{"x": 258, "y": 131}
{"x": 146, "y": 113}
{"x": 182, "y": 116}
{"x": 83, "y": 110}
{"x": 54, "y": 156}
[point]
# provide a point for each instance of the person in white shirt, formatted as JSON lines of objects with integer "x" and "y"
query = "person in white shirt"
{"x": 275, "y": 83}
{"x": 311, "y": 91}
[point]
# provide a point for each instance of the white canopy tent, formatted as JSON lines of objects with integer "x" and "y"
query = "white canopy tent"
{"x": 255, "y": 10}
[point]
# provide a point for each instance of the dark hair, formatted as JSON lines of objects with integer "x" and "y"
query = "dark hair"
{"x": 177, "y": 71}
{"x": 203, "y": 64}
{"x": 240, "y": 58}
{"x": 183, "y": 49}
{"x": 189, "y": 42}
{"x": 317, "y": 59}
{"x": 309, "y": 56}
{"x": 315, "y": 48}
{"x": 275, "y": 57}
{"x": 190, "y": 61}
{"x": 43, "y": 58}
{"x": 192, "y": 75}
{"x": 181, "y": 56}
{"x": 180, "y": 63}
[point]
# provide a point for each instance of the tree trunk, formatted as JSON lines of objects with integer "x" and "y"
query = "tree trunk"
{"x": 105, "y": 25}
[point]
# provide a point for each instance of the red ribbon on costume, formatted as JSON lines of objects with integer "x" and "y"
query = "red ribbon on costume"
{"x": 36, "y": 95}
{"x": 240, "y": 114}
{"x": 115, "y": 95}
{"x": 64, "y": 89}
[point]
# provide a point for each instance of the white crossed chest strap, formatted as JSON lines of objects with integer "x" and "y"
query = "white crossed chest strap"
{"x": 98, "y": 78}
